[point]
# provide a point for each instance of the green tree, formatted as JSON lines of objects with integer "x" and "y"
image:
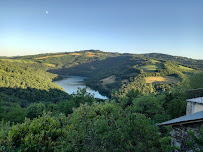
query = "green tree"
{"x": 196, "y": 142}
{"x": 107, "y": 127}
{"x": 46, "y": 133}
{"x": 66, "y": 106}
{"x": 1, "y": 110}
{"x": 35, "y": 110}
{"x": 129, "y": 97}
{"x": 151, "y": 106}
{"x": 196, "y": 81}
{"x": 16, "y": 114}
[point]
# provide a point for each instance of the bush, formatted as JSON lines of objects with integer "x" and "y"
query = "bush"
{"x": 46, "y": 133}
{"x": 35, "y": 110}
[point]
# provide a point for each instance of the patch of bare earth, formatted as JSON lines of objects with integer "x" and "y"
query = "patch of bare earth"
{"x": 110, "y": 79}
{"x": 165, "y": 79}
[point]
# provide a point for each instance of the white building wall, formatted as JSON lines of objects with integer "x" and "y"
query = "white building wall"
{"x": 193, "y": 107}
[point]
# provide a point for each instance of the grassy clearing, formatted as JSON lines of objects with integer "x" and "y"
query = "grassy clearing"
{"x": 74, "y": 54}
{"x": 51, "y": 65}
{"x": 183, "y": 68}
{"x": 90, "y": 54}
{"x": 155, "y": 61}
{"x": 110, "y": 79}
{"x": 151, "y": 67}
{"x": 165, "y": 79}
{"x": 101, "y": 54}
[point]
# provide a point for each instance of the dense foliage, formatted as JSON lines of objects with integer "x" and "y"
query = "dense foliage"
{"x": 197, "y": 141}
{"x": 98, "y": 65}
{"x": 79, "y": 122}
{"x": 99, "y": 127}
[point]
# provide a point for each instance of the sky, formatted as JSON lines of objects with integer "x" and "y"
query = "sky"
{"x": 172, "y": 27}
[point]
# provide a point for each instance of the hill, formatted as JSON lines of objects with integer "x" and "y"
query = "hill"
{"x": 98, "y": 66}
{"x": 143, "y": 90}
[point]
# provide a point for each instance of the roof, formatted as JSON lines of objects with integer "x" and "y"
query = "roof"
{"x": 190, "y": 118}
{"x": 196, "y": 100}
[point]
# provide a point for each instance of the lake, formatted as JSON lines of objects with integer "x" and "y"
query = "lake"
{"x": 72, "y": 83}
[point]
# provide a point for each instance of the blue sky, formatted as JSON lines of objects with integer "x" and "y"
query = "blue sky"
{"x": 135, "y": 26}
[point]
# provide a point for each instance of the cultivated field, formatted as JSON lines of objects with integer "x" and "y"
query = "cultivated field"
{"x": 165, "y": 79}
{"x": 90, "y": 54}
{"x": 74, "y": 54}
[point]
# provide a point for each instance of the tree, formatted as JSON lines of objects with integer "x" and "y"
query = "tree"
{"x": 1, "y": 110}
{"x": 151, "y": 106}
{"x": 46, "y": 133}
{"x": 66, "y": 106}
{"x": 16, "y": 114}
{"x": 196, "y": 81}
{"x": 35, "y": 110}
{"x": 196, "y": 142}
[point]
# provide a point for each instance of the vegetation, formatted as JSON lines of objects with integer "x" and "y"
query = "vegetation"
{"x": 197, "y": 141}
{"x": 165, "y": 79}
{"x": 37, "y": 115}
{"x": 150, "y": 68}
{"x": 99, "y": 127}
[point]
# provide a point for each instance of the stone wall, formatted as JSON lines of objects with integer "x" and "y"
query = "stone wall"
{"x": 180, "y": 135}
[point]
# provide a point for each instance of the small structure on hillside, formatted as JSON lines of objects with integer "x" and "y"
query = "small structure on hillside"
{"x": 191, "y": 121}
{"x": 194, "y": 101}
{"x": 194, "y": 105}
{"x": 181, "y": 127}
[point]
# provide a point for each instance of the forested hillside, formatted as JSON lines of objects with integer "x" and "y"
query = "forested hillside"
{"x": 110, "y": 72}
{"x": 143, "y": 90}
{"x": 25, "y": 82}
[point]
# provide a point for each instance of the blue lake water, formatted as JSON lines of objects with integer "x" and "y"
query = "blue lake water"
{"x": 72, "y": 83}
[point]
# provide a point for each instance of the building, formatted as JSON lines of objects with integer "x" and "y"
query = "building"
{"x": 191, "y": 121}
{"x": 194, "y": 105}
{"x": 194, "y": 101}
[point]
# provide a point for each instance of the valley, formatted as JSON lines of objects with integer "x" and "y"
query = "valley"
{"x": 41, "y": 91}
{"x": 101, "y": 76}
{"x": 72, "y": 83}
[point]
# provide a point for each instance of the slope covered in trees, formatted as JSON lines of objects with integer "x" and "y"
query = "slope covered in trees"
{"x": 126, "y": 124}
{"x": 79, "y": 122}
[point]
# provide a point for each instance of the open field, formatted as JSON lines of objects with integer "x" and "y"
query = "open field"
{"x": 185, "y": 68}
{"x": 110, "y": 79}
{"x": 155, "y": 61}
{"x": 101, "y": 54}
{"x": 51, "y": 65}
{"x": 151, "y": 67}
{"x": 74, "y": 54}
{"x": 165, "y": 79}
{"x": 90, "y": 54}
